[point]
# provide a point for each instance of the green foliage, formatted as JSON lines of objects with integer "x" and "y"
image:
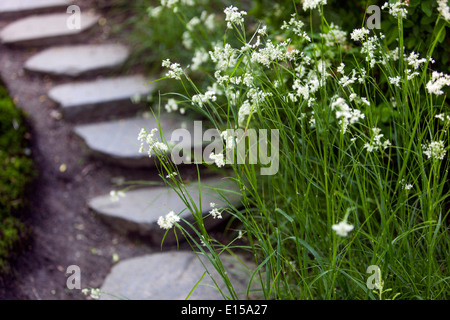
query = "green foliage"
{"x": 16, "y": 172}
{"x": 418, "y": 27}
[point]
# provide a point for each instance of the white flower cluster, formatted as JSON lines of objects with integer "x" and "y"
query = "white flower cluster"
{"x": 171, "y": 175}
{"x": 444, "y": 9}
{"x": 215, "y": 213}
{"x": 345, "y": 114}
{"x": 201, "y": 99}
{"x": 395, "y": 81}
{"x": 93, "y": 293}
{"x": 359, "y": 34}
{"x": 223, "y": 57}
{"x": 205, "y": 20}
{"x": 370, "y": 47}
{"x": 173, "y": 4}
{"x": 154, "y": 12}
{"x": 218, "y": 159}
{"x": 175, "y": 71}
{"x": 334, "y": 36}
{"x": 397, "y": 9}
{"x": 312, "y": 4}
{"x": 435, "y": 150}
{"x": 444, "y": 118}
{"x": 234, "y": 16}
{"x": 376, "y": 141}
{"x": 116, "y": 195}
{"x": 272, "y": 53}
{"x": 343, "y": 228}
{"x": 171, "y": 105}
{"x": 296, "y": 26}
{"x": 406, "y": 186}
{"x": 437, "y": 82}
{"x": 153, "y": 145}
{"x": 168, "y": 221}
{"x": 200, "y": 57}
{"x": 229, "y": 139}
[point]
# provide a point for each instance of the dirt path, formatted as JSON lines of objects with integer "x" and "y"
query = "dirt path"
{"x": 63, "y": 231}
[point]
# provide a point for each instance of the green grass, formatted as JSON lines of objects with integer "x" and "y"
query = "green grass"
{"x": 17, "y": 171}
{"x": 383, "y": 182}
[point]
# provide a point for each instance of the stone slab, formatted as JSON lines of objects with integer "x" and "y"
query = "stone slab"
{"x": 14, "y": 8}
{"x": 78, "y": 60}
{"x": 116, "y": 141}
{"x": 137, "y": 213}
{"x": 172, "y": 275}
{"x": 100, "y": 98}
{"x": 46, "y": 29}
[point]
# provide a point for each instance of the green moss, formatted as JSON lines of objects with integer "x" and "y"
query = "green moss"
{"x": 16, "y": 172}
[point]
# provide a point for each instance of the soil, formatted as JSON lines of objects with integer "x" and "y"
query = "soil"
{"x": 63, "y": 231}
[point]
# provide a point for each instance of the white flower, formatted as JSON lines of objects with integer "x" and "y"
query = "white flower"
{"x": 342, "y": 228}
{"x": 233, "y": 16}
{"x": 200, "y": 99}
{"x": 223, "y": 57}
{"x": 94, "y": 293}
{"x": 171, "y": 105}
{"x": 407, "y": 186}
{"x": 212, "y": 204}
{"x": 175, "y": 71}
{"x": 115, "y": 257}
{"x": 116, "y": 195}
{"x": 443, "y": 9}
{"x": 312, "y": 4}
{"x": 435, "y": 150}
{"x": 296, "y": 26}
{"x": 216, "y": 213}
{"x": 245, "y": 109}
{"x": 168, "y": 221}
{"x": 192, "y": 23}
{"x": 171, "y": 175}
{"x": 438, "y": 80}
{"x": 359, "y": 34}
{"x": 218, "y": 159}
{"x": 395, "y": 81}
{"x": 396, "y": 9}
{"x": 153, "y": 145}
{"x": 262, "y": 31}
{"x": 414, "y": 61}
{"x": 229, "y": 139}
{"x": 376, "y": 141}
{"x": 340, "y": 69}
{"x": 200, "y": 57}
{"x": 345, "y": 114}
{"x": 154, "y": 12}
{"x": 334, "y": 36}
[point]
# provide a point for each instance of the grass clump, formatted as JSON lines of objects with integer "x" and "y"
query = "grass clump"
{"x": 362, "y": 142}
{"x": 16, "y": 172}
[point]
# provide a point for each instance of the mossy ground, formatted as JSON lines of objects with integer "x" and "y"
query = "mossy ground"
{"x": 16, "y": 172}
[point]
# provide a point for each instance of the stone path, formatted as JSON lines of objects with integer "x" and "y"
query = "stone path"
{"x": 78, "y": 60}
{"x": 109, "y": 129}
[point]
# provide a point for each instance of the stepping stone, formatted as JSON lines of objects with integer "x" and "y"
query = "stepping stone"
{"x": 116, "y": 141}
{"x": 136, "y": 214}
{"x": 13, "y": 8}
{"x": 46, "y": 29}
{"x": 100, "y": 98}
{"x": 172, "y": 276}
{"x": 79, "y": 60}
